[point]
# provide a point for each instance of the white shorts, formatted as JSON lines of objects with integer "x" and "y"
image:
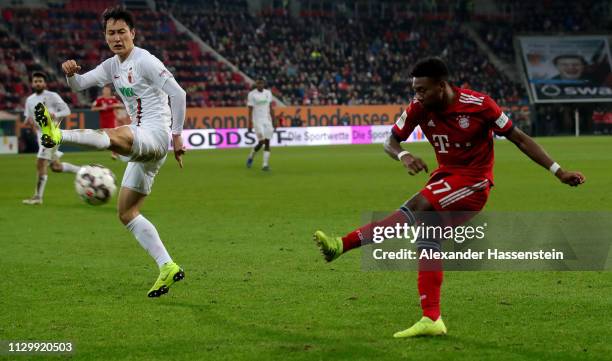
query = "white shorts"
{"x": 149, "y": 144}
{"x": 50, "y": 154}
{"x": 263, "y": 130}
{"x": 139, "y": 176}
{"x": 149, "y": 153}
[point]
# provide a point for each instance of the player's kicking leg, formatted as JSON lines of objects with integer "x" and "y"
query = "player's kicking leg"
{"x": 118, "y": 139}
{"x": 332, "y": 247}
{"x": 429, "y": 278}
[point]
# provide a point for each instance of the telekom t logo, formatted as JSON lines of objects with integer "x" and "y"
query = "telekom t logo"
{"x": 441, "y": 140}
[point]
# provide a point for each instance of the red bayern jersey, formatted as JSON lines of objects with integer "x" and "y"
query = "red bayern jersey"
{"x": 107, "y": 116}
{"x": 461, "y": 135}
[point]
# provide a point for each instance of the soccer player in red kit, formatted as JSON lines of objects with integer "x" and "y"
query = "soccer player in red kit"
{"x": 106, "y": 105}
{"x": 459, "y": 124}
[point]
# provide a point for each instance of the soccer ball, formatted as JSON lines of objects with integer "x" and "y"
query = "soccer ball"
{"x": 95, "y": 184}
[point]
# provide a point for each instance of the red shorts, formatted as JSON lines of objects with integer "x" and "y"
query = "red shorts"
{"x": 456, "y": 192}
{"x": 107, "y": 123}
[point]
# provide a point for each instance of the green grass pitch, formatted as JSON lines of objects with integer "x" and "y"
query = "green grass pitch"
{"x": 256, "y": 286}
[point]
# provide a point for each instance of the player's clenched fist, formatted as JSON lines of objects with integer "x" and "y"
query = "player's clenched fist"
{"x": 573, "y": 179}
{"x": 70, "y": 67}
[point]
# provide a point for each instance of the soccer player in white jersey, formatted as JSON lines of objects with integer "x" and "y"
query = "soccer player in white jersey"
{"x": 58, "y": 109}
{"x": 144, "y": 85}
{"x": 261, "y": 115}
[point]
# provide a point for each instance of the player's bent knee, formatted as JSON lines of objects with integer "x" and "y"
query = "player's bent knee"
{"x": 126, "y": 217}
{"x": 57, "y": 168}
{"x": 418, "y": 203}
{"x": 121, "y": 139}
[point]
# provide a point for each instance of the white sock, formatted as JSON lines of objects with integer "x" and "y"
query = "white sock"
{"x": 266, "y": 158}
{"x": 71, "y": 168}
{"x": 89, "y": 137}
{"x": 40, "y": 186}
{"x": 147, "y": 236}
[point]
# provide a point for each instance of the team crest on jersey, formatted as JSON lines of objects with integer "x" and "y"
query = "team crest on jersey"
{"x": 464, "y": 121}
{"x": 130, "y": 75}
{"x": 431, "y": 123}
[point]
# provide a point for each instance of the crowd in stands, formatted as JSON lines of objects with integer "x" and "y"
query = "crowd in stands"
{"x": 315, "y": 58}
{"x": 72, "y": 32}
{"x": 542, "y": 17}
{"x": 16, "y": 66}
{"x": 13, "y": 71}
{"x": 320, "y": 58}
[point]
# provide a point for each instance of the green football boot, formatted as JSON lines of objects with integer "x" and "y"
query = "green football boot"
{"x": 168, "y": 274}
{"x": 51, "y": 135}
{"x": 425, "y": 327}
{"x": 331, "y": 247}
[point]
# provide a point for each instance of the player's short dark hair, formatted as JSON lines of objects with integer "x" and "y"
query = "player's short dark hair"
{"x": 39, "y": 74}
{"x": 117, "y": 12}
{"x": 569, "y": 56}
{"x": 432, "y": 67}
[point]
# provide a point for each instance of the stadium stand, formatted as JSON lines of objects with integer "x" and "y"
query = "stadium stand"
{"x": 16, "y": 65}
{"x": 543, "y": 18}
{"x": 324, "y": 55}
{"x": 69, "y": 32}
{"x": 327, "y": 58}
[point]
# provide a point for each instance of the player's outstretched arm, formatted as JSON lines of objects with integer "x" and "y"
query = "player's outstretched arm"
{"x": 413, "y": 164}
{"x": 534, "y": 151}
{"x": 99, "y": 76}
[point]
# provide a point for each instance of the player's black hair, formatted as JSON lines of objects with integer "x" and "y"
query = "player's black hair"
{"x": 569, "y": 56}
{"x": 39, "y": 74}
{"x": 432, "y": 67}
{"x": 117, "y": 12}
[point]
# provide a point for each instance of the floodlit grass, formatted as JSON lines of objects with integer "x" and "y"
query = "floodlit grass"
{"x": 256, "y": 286}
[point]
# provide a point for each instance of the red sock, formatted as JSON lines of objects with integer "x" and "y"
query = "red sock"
{"x": 364, "y": 234}
{"x": 429, "y": 284}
